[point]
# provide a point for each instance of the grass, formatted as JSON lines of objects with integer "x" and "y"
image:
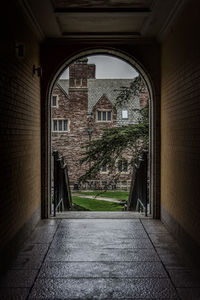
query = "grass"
{"x": 96, "y": 205}
{"x": 121, "y": 195}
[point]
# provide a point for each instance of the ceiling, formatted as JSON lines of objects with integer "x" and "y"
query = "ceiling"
{"x": 100, "y": 18}
{"x": 101, "y": 3}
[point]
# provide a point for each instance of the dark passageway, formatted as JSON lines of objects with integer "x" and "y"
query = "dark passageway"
{"x": 116, "y": 258}
{"x": 102, "y": 256}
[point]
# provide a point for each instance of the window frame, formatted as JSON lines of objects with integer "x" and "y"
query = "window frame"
{"x": 102, "y": 171}
{"x": 103, "y": 111}
{"x": 124, "y": 109}
{"x": 60, "y": 131}
{"x": 54, "y": 106}
{"x": 122, "y": 160}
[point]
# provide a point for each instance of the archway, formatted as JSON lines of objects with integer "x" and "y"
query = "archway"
{"x": 147, "y": 79}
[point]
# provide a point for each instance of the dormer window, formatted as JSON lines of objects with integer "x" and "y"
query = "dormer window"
{"x": 124, "y": 114}
{"x": 104, "y": 115}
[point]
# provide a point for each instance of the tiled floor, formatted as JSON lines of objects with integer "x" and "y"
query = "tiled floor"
{"x": 101, "y": 258}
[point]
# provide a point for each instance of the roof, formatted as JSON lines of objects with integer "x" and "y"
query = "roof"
{"x": 64, "y": 85}
{"x": 107, "y": 87}
{"x": 99, "y": 87}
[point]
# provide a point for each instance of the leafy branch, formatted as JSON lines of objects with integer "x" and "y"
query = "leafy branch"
{"x": 113, "y": 142}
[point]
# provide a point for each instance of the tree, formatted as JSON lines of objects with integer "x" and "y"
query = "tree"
{"x": 109, "y": 148}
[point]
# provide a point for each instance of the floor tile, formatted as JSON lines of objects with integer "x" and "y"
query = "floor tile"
{"x": 19, "y": 278}
{"x": 42, "y": 235}
{"x": 102, "y": 289}
{"x": 98, "y": 234}
{"x": 26, "y": 262}
{"x": 185, "y": 277}
{"x": 100, "y": 215}
{"x": 189, "y": 293}
{"x": 102, "y": 269}
{"x": 174, "y": 257}
{"x": 48, "y": 222}
{"x": 102, "y": 243}
{"x": 161, "y": 239}
{"x": 13, "y": 293}
{"x": 34, "y": 249}
{"x": 96, "y": 254}
{"x": 109, "y": 258}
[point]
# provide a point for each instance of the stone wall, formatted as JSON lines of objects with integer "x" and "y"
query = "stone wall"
{"x": 80, "y": 72}
{"x": 69, "y": 144}
{"x": 74, "y": 108}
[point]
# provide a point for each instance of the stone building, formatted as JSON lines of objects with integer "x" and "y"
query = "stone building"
{"x": 81, "y": 108}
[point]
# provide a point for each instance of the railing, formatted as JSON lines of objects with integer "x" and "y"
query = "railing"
{"x": 62, "y": 195}
{"x": 138, "y": 193}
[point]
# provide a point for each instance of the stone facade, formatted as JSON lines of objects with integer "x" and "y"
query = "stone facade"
{"x": 87, "y": 106}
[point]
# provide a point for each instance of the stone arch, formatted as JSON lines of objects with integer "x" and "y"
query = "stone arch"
{"x": 154, "y": 143}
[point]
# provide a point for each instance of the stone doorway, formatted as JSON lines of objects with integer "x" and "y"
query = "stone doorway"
{"x": 64, "y": 123}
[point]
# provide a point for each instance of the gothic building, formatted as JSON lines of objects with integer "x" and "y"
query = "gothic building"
{"x": 81, "y": 108}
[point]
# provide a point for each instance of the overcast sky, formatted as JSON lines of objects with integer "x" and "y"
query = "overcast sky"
{"x": 108, "y": 67}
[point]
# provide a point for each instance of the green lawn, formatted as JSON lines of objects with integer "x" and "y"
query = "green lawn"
{"x": 96, "y": 205}
{"x": 122, "y": 195}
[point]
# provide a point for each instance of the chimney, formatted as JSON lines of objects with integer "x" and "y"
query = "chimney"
{"x": 79, "y": 72}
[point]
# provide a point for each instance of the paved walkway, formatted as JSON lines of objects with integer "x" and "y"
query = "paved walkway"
{"x": 101, "y": 259}
{"x": 97, "y": 197}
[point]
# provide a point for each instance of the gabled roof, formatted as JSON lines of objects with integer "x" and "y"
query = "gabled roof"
{"x": 108, "y": 87}
{"x": 103, "y": 96}
{"x": 99, "y": 87}
{"x": 64, "y": 86}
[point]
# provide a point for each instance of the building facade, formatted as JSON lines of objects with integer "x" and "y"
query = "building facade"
{"x": 82, "y": 107}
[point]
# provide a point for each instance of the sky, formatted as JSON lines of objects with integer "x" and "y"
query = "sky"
{"x": 108, "y": 67}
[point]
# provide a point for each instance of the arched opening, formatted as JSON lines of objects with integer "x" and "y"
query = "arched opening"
{"x": 148, "y": 84}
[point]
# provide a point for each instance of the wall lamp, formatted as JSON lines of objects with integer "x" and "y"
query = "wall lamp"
{"x": 37, "y": 71}
{"x": 20, "y": 49}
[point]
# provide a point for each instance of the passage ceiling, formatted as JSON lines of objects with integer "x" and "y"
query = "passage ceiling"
{"x": 100, "y": 18}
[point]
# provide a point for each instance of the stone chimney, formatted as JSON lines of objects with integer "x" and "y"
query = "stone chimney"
{"x": 80, "y": 72}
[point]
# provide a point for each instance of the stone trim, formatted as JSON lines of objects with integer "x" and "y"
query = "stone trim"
{"x": 61, "y": 119}
{"x": 154, "y": 92}
{"x": 57, "y": 100}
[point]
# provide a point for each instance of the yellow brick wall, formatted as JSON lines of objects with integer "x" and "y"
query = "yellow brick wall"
{"x": 20, "y": 182}
{"x": 180, "y": 122}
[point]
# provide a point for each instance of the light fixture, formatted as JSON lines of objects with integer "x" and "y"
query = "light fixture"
{"x": 37, "y": 71}
{"x": 19, "y": 49}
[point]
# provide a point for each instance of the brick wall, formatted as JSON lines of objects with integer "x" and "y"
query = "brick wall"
{"x": 180, "y": 126}
{"x": 102, "y": 104}
{"x": 69, "y": 144}
{"x": 19, "y": 128}
{"x": 79, "y": 72}
{"x": 74, "y": 108}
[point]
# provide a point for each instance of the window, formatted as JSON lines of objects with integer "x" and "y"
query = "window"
{"x": 65, "y": 123}
{"x": 109, "y": 115}
{"x": 54, "y": 125}
{"x": 124, "y": 114}
{"x": 60, "y": 125}
{"x": 104, "y": 169}
{"x": 54, "y": 101}
{"x": 122, "y": 165}
{"x": 103, "y": 115}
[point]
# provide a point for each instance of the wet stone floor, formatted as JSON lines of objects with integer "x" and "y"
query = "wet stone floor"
{"x": 101, "y": 258}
